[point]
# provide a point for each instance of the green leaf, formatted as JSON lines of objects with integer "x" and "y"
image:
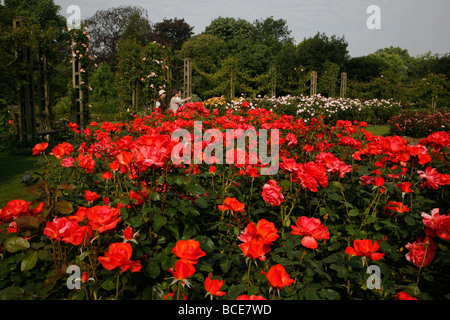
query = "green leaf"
{"x": 410, "y": 220}
{"x": 66, "y": 186}
{"x": 342, "y": 271}
{"x": 63, "y": 207}
{"x": 29, "y": 260}
{"x": 311, "y": 295}
{"x": 206, "y": 243}
{"x": 11, "y": 293}
{"x": 153, "y": 270}
{"x": 155, "y": 196}
{"x": 108, "y": 285}
{"x": 329, "y": 294}
{"x": 158, "y": 221}
{"x": 15, "y": 244}
{"x": 27, "y": 223}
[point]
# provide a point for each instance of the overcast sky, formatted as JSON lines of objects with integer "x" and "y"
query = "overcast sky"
{"x": 419, "y": 26}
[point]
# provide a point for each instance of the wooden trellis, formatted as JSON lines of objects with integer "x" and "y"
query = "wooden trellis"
{"x": 187, "y": 85}
{"x": 76, "y": 82}
{"x": 313, "y": 90}
{"x": 343, "y": 84}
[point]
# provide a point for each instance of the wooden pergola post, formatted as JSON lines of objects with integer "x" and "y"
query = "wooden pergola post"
{"x": 44, "y": 92}
{"x": 343, "y": 84}
{"x": 313, "y": 90}
{"x": 76, "y": 82}
{"x": 187, "y": 84}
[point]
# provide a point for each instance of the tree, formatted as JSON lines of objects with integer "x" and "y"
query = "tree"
{"x": 364, "y": 68}
{"x": 269, "y": 30}
{"x": 395, "y": 60}
{"x": 107, "y": 27}
{"x": 43, "y": 31}
{"x": 102, "y": 81}
{"x": 172, "y": 33}
{"x": 137, "y": 28}
{"x": 229, "y": 79}
{"x": 314, "y": 51}
{"x": 228, "y": 28}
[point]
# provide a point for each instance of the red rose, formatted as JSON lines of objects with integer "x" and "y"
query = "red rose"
{"x": 365, "y": 248}
{"x": 91, "y": 196}
{"x": 86, "y": 162}
{"x": 436, "y": 224}
{"x": 188, "y": 250}
{"x": 264, "y": 229}
{"x": 404, "y": 296}
{"x": 118, "y": 256}
{"x": 311, "y": 229}
{"x": 40, "y": 147}
{"x": 231, "y": 204}
{"x": 421, "y": 252}
{"x": 272, "y": 193}
{"x": 213, "y": 286}
{"x": 103, "y": 218}
{"x": 67, "y": 230}
{"x": 255, "y": 249}
{"x": 278, "y": 277}
{"x": 183, "y": 270}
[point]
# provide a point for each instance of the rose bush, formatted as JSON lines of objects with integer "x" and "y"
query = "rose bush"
{"x": 152, "y": 229}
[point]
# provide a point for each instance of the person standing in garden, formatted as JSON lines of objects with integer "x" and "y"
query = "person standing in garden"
{"x": 160, "y": 103}
{"x": 176, "y": 100}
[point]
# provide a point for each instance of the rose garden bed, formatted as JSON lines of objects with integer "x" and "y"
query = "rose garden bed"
{"x": 348, "y": 215}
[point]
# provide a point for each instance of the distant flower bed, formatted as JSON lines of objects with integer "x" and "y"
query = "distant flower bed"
{"x": 374, "y": 111}
{"x": 418, "y": 124}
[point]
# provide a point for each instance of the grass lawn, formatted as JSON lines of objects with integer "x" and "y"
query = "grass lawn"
{"x": 381, "y": 130}
{"x": 12, "y": 169}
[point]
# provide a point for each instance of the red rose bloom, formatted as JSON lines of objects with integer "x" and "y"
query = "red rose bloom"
{"x": 421, "y": 252}
{"x": 213, "y": 286}
{"x": 188, "y": 250}
{"x": 278, "y": 277}
{"x": 436, "y": 224}
{"x": 404, "y": 296}
{"x": 365, "y": 248}
{"x": 91, "y": 196}
{"x": 40, "y": 147}
{"x": 255, "y": 249}
{"x": 231, "y": 204}
{"x": 311, "y": 229}
{"x": 183, "y": 270}
{"x": 264, "y": 229}
{"x": 103, "y": 218}
{"x": 118, "y": 256}
{"x": 272, "y": 193}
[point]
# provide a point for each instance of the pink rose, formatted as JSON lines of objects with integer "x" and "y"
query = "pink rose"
{"x": 421, "y": 252}
{"x": 272, "y": 193}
